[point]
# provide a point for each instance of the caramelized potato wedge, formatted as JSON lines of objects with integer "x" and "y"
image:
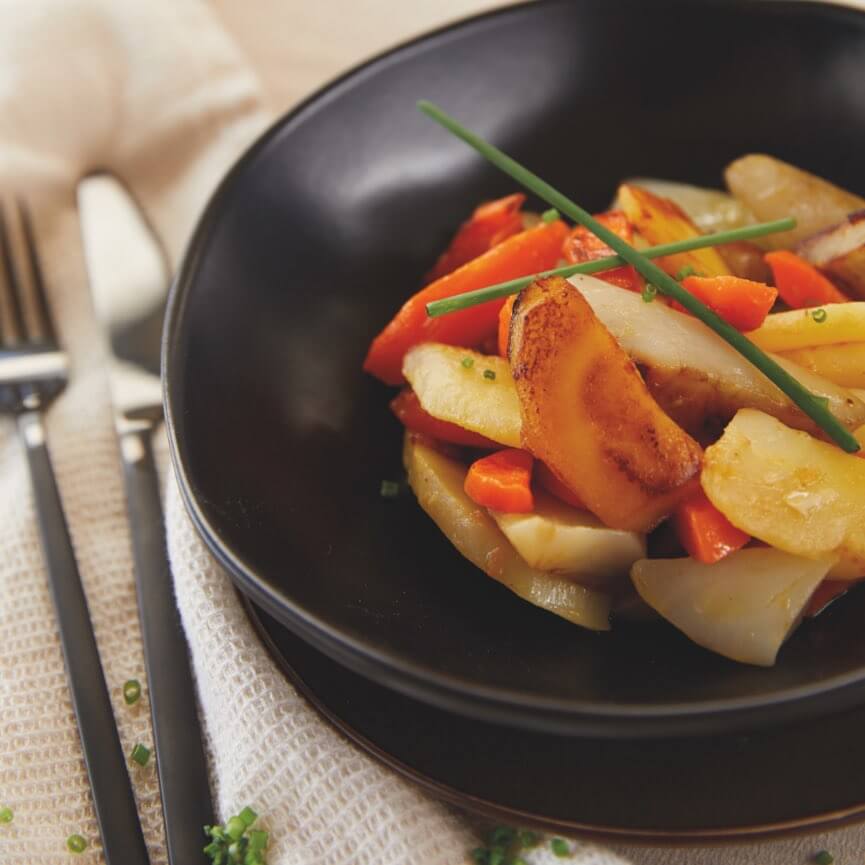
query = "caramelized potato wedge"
{"x": 660, "y": 220}
{"x": 790, "y": 490}
{"x": 588, "y": 415}
{"x": 472, "y": 390}
{"x": 437, "y": 481}
{"x": 698, "y": 378}
{"x": 772, "y": 189}
{"x": 742, "y": 607}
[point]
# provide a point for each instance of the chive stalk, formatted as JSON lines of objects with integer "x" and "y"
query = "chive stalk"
{"x": 799, "y": 394}
{"x": 492, "y": 292}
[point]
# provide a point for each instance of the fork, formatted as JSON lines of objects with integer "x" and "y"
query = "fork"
{"x": 32, "y": 372}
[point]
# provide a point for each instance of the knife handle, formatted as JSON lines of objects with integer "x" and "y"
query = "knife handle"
{"x": 180, "y": 759}
{"x": 113, "y": 799}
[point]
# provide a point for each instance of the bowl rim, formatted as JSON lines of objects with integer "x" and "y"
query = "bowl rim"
{"x": 499, "y": 704}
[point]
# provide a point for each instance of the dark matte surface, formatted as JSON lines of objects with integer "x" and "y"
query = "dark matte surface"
{"x": 325, "y": 227}
{"x": 661, "y": 791}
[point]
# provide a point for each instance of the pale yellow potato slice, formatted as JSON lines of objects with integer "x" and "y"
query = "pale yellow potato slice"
{"x": 693, "y": 373}
{"x": 451, "y": 391}
{"x": 437, "y": 482}
{"x": 798, "y": 494}
{"x": 796, "y": 328}
{"x": 843, "y": 363}
{"x": 559, "y": 538}
{"x": 772, "y": 189}
{"x": 743, "y": 607}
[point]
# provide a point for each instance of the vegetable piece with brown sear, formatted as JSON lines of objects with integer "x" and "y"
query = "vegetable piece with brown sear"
{"x": 588, "y": 414}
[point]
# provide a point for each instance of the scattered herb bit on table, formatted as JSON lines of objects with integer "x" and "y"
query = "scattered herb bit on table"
{"x": 504, "y": 845}
{"x": 140, "y": 754}
{"x": 237, "y": 843}
{"x": 6, "y": 815}
{"x": 76, "y": 843}
{"x": 131, "y": 691}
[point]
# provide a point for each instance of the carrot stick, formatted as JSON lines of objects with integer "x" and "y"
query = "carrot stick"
{"x": 705, "y": 533}
{"x": 406, "y": 406}
{"x": 799, "y": 283}
{"x": 505, "y": 314}
{"x": 740, "y": 302}
{"x": 490, "y": 224}
{"x": 521, "y": 254}
{"x": 502, "y": 481}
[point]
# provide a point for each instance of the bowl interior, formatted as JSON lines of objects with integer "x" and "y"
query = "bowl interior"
{"x": 324, "y": 228}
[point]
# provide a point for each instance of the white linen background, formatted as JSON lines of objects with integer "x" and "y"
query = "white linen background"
{"x": 167, "y": 94}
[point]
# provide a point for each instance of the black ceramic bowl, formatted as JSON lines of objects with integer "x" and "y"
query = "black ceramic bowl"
{"x": 328, "y": 222}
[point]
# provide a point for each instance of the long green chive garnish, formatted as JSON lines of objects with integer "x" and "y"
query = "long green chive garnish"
{"x": 76, "y": 844}
{"x": 800, "y": 395}
{"x": 492, "y": 292}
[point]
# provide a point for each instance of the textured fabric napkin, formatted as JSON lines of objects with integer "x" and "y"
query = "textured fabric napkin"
{"x": 161, "y": 95}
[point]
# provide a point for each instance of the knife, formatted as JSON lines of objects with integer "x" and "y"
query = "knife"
{"x": 130, "y": 310}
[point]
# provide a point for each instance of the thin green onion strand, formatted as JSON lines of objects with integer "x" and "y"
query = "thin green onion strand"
{"x": 502, "y": 289}
{"x": 800, "y": 395}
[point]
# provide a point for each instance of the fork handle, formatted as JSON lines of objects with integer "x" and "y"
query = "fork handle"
{"x": 183, "y": 779}
{"x": 113, "y": 800}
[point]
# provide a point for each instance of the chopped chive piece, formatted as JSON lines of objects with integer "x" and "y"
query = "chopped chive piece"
{"x": 468, "y": 362}
{"x": 497, "y": 855}
{"x": 131, "y": 691}
{"x": 503, "y": 289}
{"x": 6, "y": 815}
{"x": 560, "y": 847}
{"x": 248, "y": 816}
{"x": 528, "y": 838}
{"x": 480, "y": 856}
{"x": 76, "y": 844}
{"x": 235, "y": 828}
{"x": 797, "y": 393}
{"x": 490, "y": 374}
{"x": 824, "y": 857}
{"x": 550, "y": 215}
{"x": 389, "y": 489}
{"x": 649, "y": 293}
{"x": 685, "y": 272}
{"x": 819, "y": 315}
{"x": 253, "y": 857}
{"x": 140, "y": 754}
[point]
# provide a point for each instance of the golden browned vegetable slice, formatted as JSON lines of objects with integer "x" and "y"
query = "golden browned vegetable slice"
{"x": 743, "y": 607}
{"x": 844, "y": 363}
{"x": 474, "y": 391}
{"x": 798, "y": 328}
{"x": 659, "y": 221}
{"x": 697, "y": 377}
{"x": 588, "y": 415}
{"x": 437, "y": 482}
{"x": 772, "y": 189}
{"x": 790, "y": 490}
{"x": 840, "y": 252}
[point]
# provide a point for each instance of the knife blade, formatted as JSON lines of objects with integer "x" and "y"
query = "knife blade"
{"x": 129, "y": 283}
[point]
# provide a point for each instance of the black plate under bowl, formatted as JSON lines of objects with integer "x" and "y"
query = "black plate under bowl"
{"x": 328, "y": 222}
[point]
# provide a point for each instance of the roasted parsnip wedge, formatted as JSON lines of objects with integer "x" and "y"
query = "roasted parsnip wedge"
{"x": 843, "y": 364}
{"x": 772, "y": 189}
{"x": 437, "y": 481}
{"x": 472, "y": 390}
{"x": 798, "y": 494}
{"x": 798, "y": 328}
{"x": 698, "y": 378}
{"x": 564, "y": 540}
{"x": 588, "y": 415}
{"x": 743, "y": 607}
{"x": 840, "y": 252}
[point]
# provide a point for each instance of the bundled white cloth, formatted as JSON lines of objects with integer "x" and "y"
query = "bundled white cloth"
{"x": 158, "y": 94}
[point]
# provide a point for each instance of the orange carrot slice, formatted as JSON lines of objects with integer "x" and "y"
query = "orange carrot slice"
{"x": 406, "y": 406}
{"x": 502, "y": 481}
{"x": 799, "y": 283}
{"x": 705, "y": 533}
{"x": 520, "y": 255}
{"x": 740, "y": 302}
